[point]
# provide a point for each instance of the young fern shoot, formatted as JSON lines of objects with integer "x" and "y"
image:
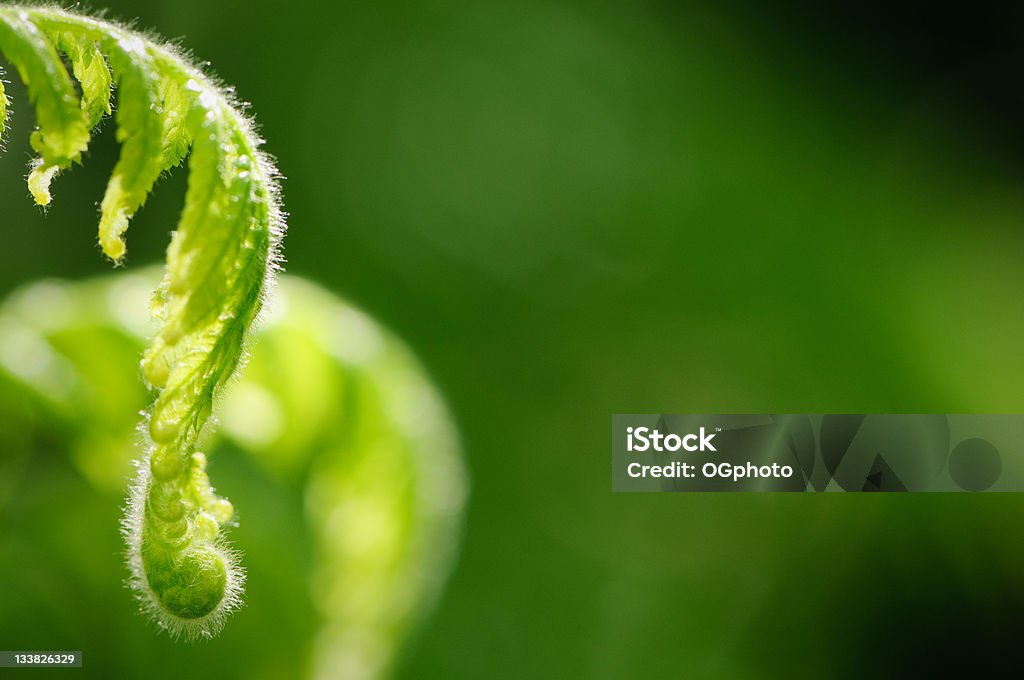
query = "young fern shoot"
{"x": 220, "y": 265}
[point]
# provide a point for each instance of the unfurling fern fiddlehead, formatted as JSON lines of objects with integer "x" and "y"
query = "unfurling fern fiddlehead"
{"x": 220, "y": 263}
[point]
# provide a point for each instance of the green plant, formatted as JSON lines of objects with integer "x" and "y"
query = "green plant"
{"x": 220, "y": 263}
{"x": 337, "y": 447}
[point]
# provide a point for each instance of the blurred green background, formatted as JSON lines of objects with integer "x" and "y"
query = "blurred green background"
{"x": 572, "y": 209}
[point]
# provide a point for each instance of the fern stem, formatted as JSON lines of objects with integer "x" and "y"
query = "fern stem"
{"x": 220, "y": 265}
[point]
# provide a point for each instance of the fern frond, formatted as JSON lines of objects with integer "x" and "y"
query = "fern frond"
{"x": 220, "y": 263}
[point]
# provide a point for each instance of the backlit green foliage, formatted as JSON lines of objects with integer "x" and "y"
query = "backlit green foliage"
{"x": 220, "y": 262}
{"x": 340, "y": 451}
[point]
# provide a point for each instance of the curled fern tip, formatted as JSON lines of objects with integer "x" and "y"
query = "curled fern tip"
{"x": 220, "y": 264}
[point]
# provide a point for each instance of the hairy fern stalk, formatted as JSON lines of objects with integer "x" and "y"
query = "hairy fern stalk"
{"x": 220, "y": 264}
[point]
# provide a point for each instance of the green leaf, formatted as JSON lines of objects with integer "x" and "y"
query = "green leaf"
{"x": 92, "y": 73}
{"x": 63, "y": 133}
{"x": 219, "y": 264}
{"x": 140, "y": 131}
{"x": 3, "y": 108}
